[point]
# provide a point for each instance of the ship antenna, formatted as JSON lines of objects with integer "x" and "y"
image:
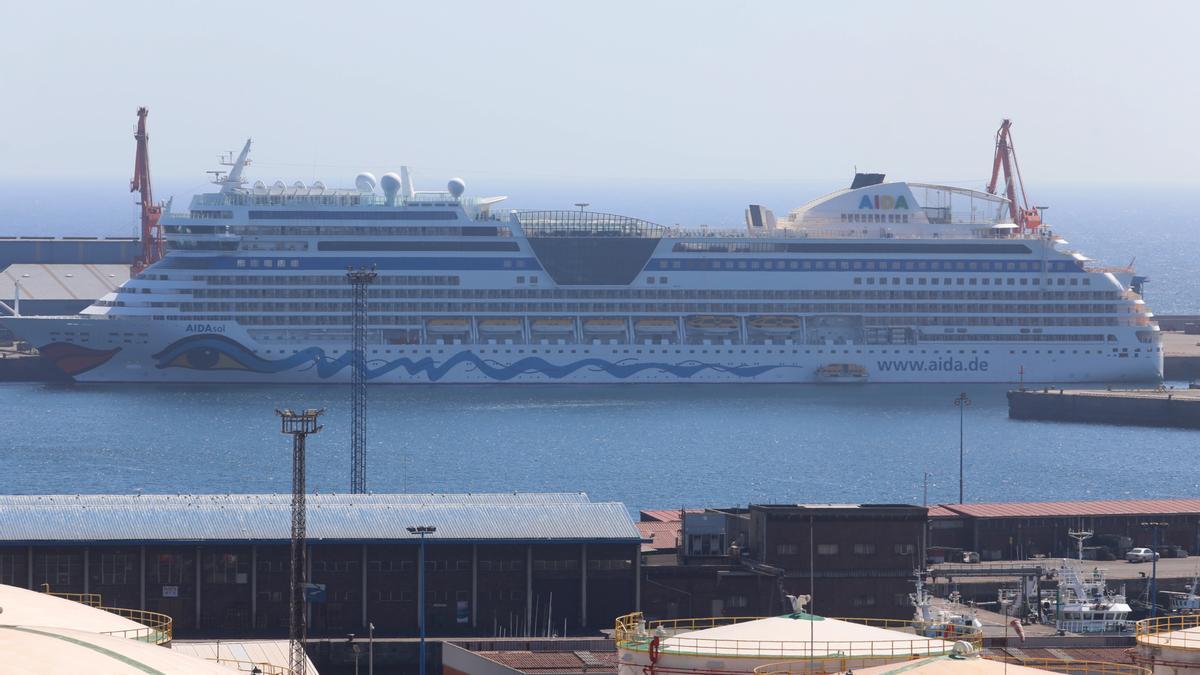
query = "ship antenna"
{"x": 234, "y": 179}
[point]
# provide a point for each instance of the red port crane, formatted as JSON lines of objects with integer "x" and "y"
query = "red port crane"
{"x": 152, "y": 236}
{"x": 1006, "y": 158}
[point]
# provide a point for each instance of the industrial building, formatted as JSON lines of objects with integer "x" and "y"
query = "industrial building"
{"x": 58, "y": 289}
{"x": 218, "y": 564}
{"x": 854, "y": 559}
{"x": 1019, "y": 530}
{"x": 69, "y": 250}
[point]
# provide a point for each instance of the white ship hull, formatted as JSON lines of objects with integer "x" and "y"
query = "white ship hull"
{"x": 131, "y": 350}
{"x": 871, "y": 279}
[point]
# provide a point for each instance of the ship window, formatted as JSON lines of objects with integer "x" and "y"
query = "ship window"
{"x": 649, "y": 280}
{"x": 827, "y": 549}
{"x": 662, "y": 280}
{"x": 242, "y": 263}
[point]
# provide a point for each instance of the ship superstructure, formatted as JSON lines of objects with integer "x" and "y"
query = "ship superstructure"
{"x": 894, "y": 281}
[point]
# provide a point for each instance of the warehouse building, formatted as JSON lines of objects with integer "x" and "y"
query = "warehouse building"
{"x": 1019, "y": 530}
{"x": 218, "y": 564}
{"x": 856, "y": 560}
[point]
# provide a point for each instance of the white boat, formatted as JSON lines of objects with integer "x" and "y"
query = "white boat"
{"x": 931, "y": 621}
{"x": 842, "y": 373}
{"x": 1187, "y": 602}
{"x": 917, "y": 282}
{"x": 1084, "y": 604}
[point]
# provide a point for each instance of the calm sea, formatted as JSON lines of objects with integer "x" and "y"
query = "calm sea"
{"x": 648, "y": 446}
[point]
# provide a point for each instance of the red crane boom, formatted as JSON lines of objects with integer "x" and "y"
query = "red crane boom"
{"x": 152, "y": 236}
{"x": 1006, "y": 159}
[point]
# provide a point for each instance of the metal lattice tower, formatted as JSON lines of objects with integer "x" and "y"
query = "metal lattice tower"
{"x": 299, "y": 425}
{"x": 359, "y": 280}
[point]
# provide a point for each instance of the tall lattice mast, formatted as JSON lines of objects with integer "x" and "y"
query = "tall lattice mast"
{"x": 359, "y": 280}
{"x": 299, "y": 425}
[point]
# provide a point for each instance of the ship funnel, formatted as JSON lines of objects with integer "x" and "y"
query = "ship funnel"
{"x": 390, "y": 183}
{"x": 406, "y": 184}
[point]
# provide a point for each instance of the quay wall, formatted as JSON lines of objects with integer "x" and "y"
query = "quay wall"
{"x": 1178, "y": 408}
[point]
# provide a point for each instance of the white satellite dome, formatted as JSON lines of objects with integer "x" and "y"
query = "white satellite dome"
{"x": 456, "y": 187}
{"x": 390, "y": 183}
{"x": 365, "y": 182}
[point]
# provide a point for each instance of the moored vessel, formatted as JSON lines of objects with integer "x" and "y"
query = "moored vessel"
{"x": 888, "y": 281}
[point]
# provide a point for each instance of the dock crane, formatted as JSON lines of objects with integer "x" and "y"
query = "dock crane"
{"x": 152, "y": 235}
{"x": 1023, "y": 216}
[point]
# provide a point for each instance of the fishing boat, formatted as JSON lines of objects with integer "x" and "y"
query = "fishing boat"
{"x": 931, "y": 621}
{"x": 1083, "y": 603}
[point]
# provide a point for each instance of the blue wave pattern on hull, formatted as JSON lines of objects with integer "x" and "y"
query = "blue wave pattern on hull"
{"x": 211, "y": 352}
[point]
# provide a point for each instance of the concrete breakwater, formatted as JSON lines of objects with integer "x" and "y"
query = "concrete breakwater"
{"x": 1144, "y": 407}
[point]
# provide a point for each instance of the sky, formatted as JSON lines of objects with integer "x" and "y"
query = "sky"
{"x": 1100, "y": 92}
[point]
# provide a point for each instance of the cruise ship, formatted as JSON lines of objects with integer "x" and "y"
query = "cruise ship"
{"x": 882, "y": 282}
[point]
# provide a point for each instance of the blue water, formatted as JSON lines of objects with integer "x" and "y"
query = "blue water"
{"x": 646, "y": 445}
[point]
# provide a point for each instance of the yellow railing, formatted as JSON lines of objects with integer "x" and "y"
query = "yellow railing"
{"x": 1053, "y": 665}
{"x": 156, "y": 628}
{"x": 1169, "y": 631}
{"x": 89, "y": 599}
{"x": 634, "y": 634}
{"x": 1071, "y": 667}
{"x": 253, "y": 666}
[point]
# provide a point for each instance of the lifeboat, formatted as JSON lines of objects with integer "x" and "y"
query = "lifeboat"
{"x": 500, "y": 325}
{"x": 604, "y": 325}
{"x": 713, "y": 324}
{"x": 448, "y": 325}
{"x": 774, "y": 324}
{"x": 842, "y": 373}
{"x": 553, "y": 325}
{"x": 656, "y": 326}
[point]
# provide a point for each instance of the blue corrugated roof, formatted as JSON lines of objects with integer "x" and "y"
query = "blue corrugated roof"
{"x": 243, "y": 517}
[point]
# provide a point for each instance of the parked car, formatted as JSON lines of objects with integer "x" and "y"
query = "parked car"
{"x": 1140, "y": 555}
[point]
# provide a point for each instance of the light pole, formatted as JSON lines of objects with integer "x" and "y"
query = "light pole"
{"x": 1154, "y": 568}
{"x": 371, "y": 648}
{"x": 421, "y": 531}
{"x": 961, "y": 403}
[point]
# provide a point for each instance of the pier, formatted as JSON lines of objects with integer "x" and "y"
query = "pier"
{"x": 1139, "y": 407}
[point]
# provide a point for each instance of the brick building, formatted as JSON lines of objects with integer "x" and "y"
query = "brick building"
{"x": 1018, "y": 530}
{"x": 218, "y": 564}
{"x": 730, "y": 562}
